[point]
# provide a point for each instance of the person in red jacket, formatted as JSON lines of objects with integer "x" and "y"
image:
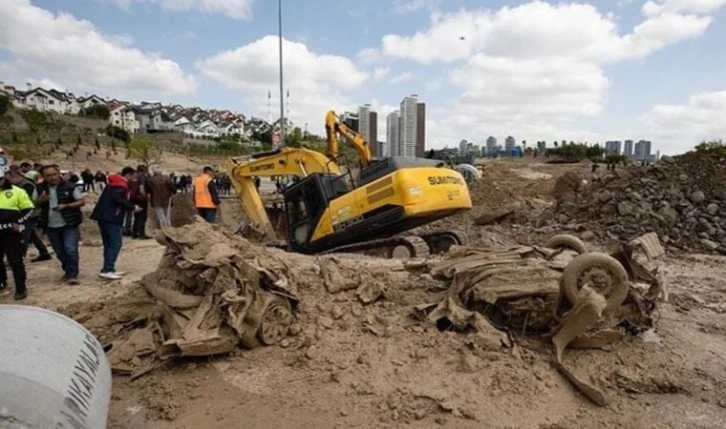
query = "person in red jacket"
{"x": 110, "y": 211}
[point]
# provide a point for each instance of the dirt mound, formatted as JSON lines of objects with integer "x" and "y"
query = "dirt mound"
{"x": 504, "y": 195}
{"x": 211, "y": 293}
{"x": 214, "y": 292}
{"x": 182, "y": 211}
{"x": 683, "y": 199}
{"x": 489, "y": 192}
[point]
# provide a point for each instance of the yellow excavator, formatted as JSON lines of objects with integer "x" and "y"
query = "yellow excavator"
{"x": 328, "y": 210}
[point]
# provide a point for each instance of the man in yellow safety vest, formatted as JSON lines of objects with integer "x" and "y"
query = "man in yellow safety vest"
{"x": 15, "y": 209}
{"x": 206, "y": 198}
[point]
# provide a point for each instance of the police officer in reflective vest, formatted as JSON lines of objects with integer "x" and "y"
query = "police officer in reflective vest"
{"x": 15, "y": 208}
{"x": 206, "y": 198}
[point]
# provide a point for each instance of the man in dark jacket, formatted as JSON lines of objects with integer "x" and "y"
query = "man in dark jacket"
{"x": 110, "y": 211}
{"x": 140, "y": 197}
{"x": 161, "y": 189}
{"x": 60, "y": 208}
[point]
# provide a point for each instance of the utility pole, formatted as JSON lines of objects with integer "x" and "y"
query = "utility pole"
{"x": 282, "y": 93}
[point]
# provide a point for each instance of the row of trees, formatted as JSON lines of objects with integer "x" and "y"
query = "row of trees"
{"x": 576, "y": 152}
{"x": 713, "y": 147}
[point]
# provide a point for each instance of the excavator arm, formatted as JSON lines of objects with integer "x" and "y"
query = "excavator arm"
{"x": 333, "y": 127}
{"x": 286, "y": 161}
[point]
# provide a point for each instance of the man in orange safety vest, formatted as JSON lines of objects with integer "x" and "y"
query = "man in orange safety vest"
{"x": 206, "y": 198}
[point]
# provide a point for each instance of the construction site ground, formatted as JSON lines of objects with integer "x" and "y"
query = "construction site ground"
{"x": 372, "y": 365}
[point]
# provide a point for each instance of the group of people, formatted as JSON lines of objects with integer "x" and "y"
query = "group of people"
{"x": 41, "y": 199}
{"x": 90, "y": 180}
{"x": 38, "y": 196}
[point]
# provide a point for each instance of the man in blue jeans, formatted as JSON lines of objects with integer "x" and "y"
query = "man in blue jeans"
{"x": 60, "y": 208}
{"x": 110, "y": 211}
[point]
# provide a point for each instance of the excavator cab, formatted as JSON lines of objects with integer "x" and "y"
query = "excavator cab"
{"x": 306, "y": 201}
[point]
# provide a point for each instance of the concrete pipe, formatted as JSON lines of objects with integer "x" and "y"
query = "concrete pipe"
{"x": 471, "y": 173}
{"x": 53, "y": 372}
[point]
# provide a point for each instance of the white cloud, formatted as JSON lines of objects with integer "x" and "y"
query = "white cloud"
{"x": 317, "y": 82}
{"x": 400, "y": 78}
{"x": 48, "y": 84}
{"x": 535, "y": 68}
{"x": 538, "y": 30}
{"x": 653, "y": 8}
{"x": 500, "y": 88}
{"x": 380, "y": 73}
{"x": 368, "y": 56}
{"x": 434, "y": 84}
{"x": 407, "y": 6}
{"x": 237, "y": 9}
{"x": 65, "y": 49}
{"x": 678, "y": 127}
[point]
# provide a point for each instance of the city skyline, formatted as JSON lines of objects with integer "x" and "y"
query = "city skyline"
{"x": 365, "y": 121}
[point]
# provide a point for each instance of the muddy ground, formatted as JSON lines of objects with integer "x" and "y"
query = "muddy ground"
{"x": 356, "y": 365}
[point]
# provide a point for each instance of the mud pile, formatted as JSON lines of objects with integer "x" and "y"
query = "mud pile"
{"x": 490, "y": 192}
{"x": 329, "y": 317}
{"x": 683, "y": 199}
{"x": 588, "y": 302}
{"x": 502, "y": 195}
{"x": 211, "y": 293}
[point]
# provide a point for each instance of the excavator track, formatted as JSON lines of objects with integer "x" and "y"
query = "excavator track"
{"x": 407, "y": 246}
{"x": 439, "y": 241}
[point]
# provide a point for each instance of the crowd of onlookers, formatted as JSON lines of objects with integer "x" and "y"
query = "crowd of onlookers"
{"x": 44, "y": 200}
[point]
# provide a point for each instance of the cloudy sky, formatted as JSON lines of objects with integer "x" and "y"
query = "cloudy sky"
{"x": 583, "y": 70}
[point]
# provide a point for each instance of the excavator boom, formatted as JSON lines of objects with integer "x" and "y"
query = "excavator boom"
{"x": 333, "y": 127}
{"x": 285, "y": 161}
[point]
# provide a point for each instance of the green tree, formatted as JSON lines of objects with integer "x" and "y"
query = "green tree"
{"x": 35, "y": 119}
{"x": 145, "y": 150}
{"x": 263, "y": 136}
{"x": 295, "y": 138}
{"x": 100, "y": 111}
{"x": 712, "y": 147}
{"x": 4, "y": 104}
{"x": 118, "y": 133}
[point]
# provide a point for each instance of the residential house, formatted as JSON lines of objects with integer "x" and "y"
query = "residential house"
{"x": 229, "y": 129}
{"x": 15, "y": 96}
{"x": 44, "y": 100}
{"x": 206, "y": 129}
{"x": 92, "y": 100}
{"x": 148, "y": 116}
{"x": 167, "y": 120}
{"x": 183, "y": 125}
{"x": 73, "y": 107}
{"x": 123, "y": 116}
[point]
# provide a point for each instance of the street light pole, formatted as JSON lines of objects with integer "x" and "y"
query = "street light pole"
{"x": 282, "y": 93}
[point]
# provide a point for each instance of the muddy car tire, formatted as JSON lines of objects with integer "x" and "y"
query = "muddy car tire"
{"x": 274, "y": 325}
{"x": 605, "y": 274}
{"x": 567, "y": 241}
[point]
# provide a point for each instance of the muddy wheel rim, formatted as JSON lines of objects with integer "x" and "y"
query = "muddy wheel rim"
{"x": 275, "y": 324}
{"x": 598, "y": 278}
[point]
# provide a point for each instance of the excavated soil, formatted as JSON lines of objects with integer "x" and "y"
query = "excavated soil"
{"x": 683, "y": 199}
